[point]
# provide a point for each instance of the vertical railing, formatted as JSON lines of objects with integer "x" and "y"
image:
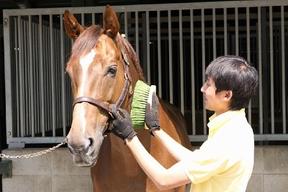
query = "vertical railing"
{"x": 175, "y": 43}
{"x": 283, "y": 69}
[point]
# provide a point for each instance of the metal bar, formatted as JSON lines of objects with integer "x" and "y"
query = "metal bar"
{"x": 171, "y": 99}
{"x": 236, "y": 32}
{"x": 37, "y": 78}
{"x": 47, "y": 98}
{"x": 26, "y": 76}
{"x": 31, "y": 75}
{"x": 52, "y": 73}
{"x": 159, "y": 54}
{"x": 8, "y": 75}
{"x": 21, "y": 78}
{"x": 35, "y": 73}
{"x": 41, "y": 76}
{"x": 1, "y": 186}
{"x": 126, "y": 25}
{"x": 197, "y": 138}
{"x": 257, "y": 137}
{"x": 93, "y": 18}
{"x": 203, "y": 66}
{"x": 248, "y": 53}
{"x": 260, "y": 72}
{"x": 151, "y": 7}
{"x": 214, "y": 33}
{"x": 283, "y": 70}
{"x": 271, "y": 137}
{"x": 148, "y": 47}
{"x": 62, "y": 77}
{"x": 82, "y": 19}
{"x": 137, "y": 31}
{"x": 36, "y": 140}
{"x": 182, "y": 100}
{"x": 271, "y": 70}
{"x": 18, "y": 115}
{"x": 225, "y": 32}
{"x": 192, "y": 73}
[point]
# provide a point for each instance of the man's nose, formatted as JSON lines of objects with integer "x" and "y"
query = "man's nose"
{"x": 203, "y": 88}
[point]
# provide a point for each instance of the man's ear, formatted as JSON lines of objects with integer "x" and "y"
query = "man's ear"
{"x": 228, "y": 95}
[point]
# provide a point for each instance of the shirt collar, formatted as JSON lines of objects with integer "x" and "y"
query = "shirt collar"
{"x": 216, "y": 122}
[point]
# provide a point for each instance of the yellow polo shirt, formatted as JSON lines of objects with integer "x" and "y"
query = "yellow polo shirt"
{"x": 224, "y": 162}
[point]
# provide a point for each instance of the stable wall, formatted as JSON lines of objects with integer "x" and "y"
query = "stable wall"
{"x": 55, "y": 172}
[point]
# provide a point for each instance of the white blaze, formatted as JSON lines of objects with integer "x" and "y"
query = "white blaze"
{"x": 85, "y": 62}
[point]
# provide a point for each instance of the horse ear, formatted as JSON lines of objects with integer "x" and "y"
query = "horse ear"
{"x": 72, "y": 27}
{"x": 110, "y": 22}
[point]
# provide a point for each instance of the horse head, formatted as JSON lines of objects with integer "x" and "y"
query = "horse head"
{"x": 103, "y": 68}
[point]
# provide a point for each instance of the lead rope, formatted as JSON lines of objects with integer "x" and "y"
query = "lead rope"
{"x": 35, "y": 154}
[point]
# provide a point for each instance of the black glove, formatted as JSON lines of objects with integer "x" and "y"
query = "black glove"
{"x": 121, "y": 126}
{"x": 151, "y": 116}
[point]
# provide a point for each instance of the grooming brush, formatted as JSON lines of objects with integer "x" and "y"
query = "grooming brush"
{"x": 142, "y": 95}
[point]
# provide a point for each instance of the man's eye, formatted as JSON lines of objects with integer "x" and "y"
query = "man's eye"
{"x": 206, "y": 84}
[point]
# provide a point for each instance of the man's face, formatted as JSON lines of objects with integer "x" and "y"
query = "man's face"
{"x": 213, "y": 101}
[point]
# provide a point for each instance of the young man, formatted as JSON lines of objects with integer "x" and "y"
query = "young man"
{"x": 224, "y": 162}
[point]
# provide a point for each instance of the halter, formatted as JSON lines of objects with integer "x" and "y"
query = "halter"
{"x": 105, "y": 105}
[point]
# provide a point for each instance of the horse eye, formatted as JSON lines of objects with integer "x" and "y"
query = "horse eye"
{"x": 112, "y": 71}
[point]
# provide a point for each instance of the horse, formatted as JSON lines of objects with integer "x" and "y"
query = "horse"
{"x": 103, "y": 69}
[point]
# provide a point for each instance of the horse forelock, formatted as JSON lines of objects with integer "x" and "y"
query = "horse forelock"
{"x": 86, "y": 41}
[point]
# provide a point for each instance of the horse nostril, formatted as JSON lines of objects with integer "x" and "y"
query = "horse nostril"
{"x": 91, "y": 142}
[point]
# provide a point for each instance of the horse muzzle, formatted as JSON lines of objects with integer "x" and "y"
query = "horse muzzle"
{"x": 85, "y": 153}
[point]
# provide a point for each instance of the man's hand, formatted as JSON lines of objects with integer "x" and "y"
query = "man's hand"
{"x": 151, "y": 116}
{"x": 121, "y": 126}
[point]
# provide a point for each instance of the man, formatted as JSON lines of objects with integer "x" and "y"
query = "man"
{"x": 224, "y": 162}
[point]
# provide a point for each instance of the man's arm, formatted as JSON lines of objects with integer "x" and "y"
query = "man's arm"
{"x": 163, "y": 178}
{"x": 178, "y": 151}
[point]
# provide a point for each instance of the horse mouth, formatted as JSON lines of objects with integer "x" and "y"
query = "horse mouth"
{"x": 85, "y": 160}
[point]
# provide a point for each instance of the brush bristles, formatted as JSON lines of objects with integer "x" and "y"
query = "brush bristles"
{"x": 139, "y": 102}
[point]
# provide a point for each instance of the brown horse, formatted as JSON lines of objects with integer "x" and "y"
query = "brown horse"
{"x": 104, "y": 69}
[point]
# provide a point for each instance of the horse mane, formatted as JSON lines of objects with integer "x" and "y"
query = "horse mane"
{"x": 132, "y": 54}
{"x": 86, "y": 41}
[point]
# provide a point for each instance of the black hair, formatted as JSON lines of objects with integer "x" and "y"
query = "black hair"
{"x": 235, "y": 74}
